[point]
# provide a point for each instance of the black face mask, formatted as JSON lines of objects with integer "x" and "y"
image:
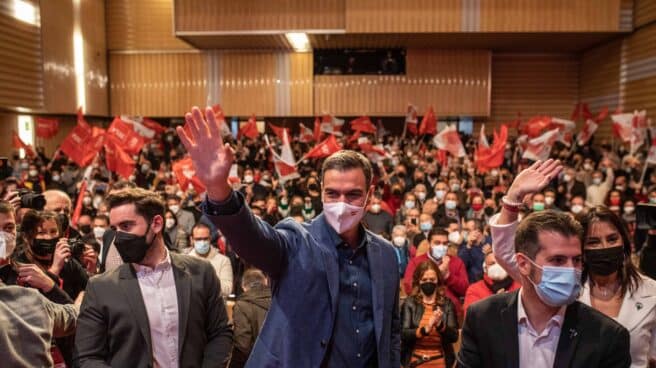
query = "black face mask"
{"x": 44, "y": 247}
{"x": 428, "y": 288}
{"x": 132, "y": 248}
{"x": 489, "y": 211}
{"x": 85, "y": 229}
{"x": 604, "y": 262}
{"x": 313, "y": 186}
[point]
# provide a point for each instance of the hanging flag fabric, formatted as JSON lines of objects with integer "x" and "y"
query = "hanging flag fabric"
{"x": 80, "y": 145}
{"x": 411, "y": 120}
{"x": 18, "y": 143}
{"x": 428, "y": 123}
{"x": 332, "y": 125}
{"x": 118, "y": 160}
{"x": 363, "y": 124}
{"x": 491, "y": 157}
{"x": 539, "y": 148}
{"x": 278, "y": 131}
{"x": 124, "y": 136}
{"x": 78, "y": 204}
{"x": 449, "y": 140}
{"x": 249, "y": 129}
{"x": 185, "y": 173}
{"x": 306, "y": 135}
{"x": 325, "y": 148}
{"x": 46, "y": 128}
{"x": 589, "y": 128}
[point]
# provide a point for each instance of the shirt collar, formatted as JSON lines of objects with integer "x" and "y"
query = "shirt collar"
{"x": 336, "y": 240}
{"x": 522, "y": 317}
{"x": 161, "y": 266}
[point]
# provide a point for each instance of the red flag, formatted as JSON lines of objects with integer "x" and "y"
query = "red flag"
{"x": 80, "y": 117}
{"x": 46, "y": 128}
{"x": 491, "y": 157}
{"x": 374, "y": 153}
{"x": 411, "y": 119}
{"x": 285, "y": 164}
{"x": 78, "y": 204}
{"x": 18, "y": 144}
{"x": 581, "y": 110}
{"x": 428, "y": 123}
{"x": 589, "y": 128}
{"x": 325, "y": 148}
{"x": 363, "y": 124}
{"x": 220, "y": 118}
{"x": 603, "y": 114}
{"x": 536, "y": 125}
{"x": 539, "y": 148}
{"x": 317, "y": 129}
{"x": 623, "y": 126}
{"x": 125, "y": 137}
{"x": 278, "y": 131}
{"x": 332, "y": 125}
{"x": 185, "y": 172}
{"x": 355, "y": 137}
{"x": 76, "y": 144}
{"x": 117, "y": 159}
{"x": 566, "y": 130}
{"x": 449, "y": 140}
{"x": 306, "y": 135}
{"x": 152, "y": 124}
{"x": 249, "y": 129}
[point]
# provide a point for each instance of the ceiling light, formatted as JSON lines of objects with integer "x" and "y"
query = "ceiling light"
{"x": 299, "y": 41}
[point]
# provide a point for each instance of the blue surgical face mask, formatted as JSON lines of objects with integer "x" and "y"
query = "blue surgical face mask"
{"x": 426, "y": 226}
{"x": 559, "y": 285}
{"x": 202, "y": 246}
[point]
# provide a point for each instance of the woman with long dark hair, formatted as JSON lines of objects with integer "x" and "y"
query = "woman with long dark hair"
{"x": 430, "y": 325}
{"x": 611, "y": 283}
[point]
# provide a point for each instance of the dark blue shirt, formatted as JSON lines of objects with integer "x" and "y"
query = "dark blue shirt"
{"x": 353, "y": 343}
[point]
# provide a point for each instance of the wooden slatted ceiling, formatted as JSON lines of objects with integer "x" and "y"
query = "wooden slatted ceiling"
{"x": 600, "y": 75}
{"x": 21, "y": 73}
{"x": 644, "y": 12}
{"x": 392, "y": 16}
{"x": 639, "y": 71}
{"x": 533, "y": 84}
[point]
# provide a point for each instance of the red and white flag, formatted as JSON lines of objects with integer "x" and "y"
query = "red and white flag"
{"x": 411, "y": 120}
{"x": 185, "y": 173}
{"x": 363, "y": 124}
{"x": 306, "y": 135}
{"x": 220, "y": 118}
{"x": 374, "y": 152}
{"x": 249, "y": 129}
{"x": 278, "y": 131}
{"x": 332, "y": 125}
{"x": 490, "y": 157}
{"x": 117, "y": 159}
{"x": 539, "y": 148}
{"x": 125, "y": 137}
{"x": 46, "y": 128}
{"x": 589, "y": 128}
{"x": 566, "y": 129}
{"x": 139, "y": 127}
{"x": 325, "y": 148}
{"x": 233, "y": 175}
{"x": 449, "y": 140}
{"x": 428, "y": 122}
{"x": 284, "y": 163}
{"x": 18, "y": 143}
{"x": 482, "y": 139}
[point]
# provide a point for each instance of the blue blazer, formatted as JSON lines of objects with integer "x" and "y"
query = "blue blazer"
{"x": 302, "y": 261}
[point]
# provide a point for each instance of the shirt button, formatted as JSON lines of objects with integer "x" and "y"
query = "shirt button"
{"x": 354, "y": 307}
{"x": 358, "y": 355}
{"x": 350, "y": 262}
{"x": 355, "y": 284}
{"x": 357, "y": 330}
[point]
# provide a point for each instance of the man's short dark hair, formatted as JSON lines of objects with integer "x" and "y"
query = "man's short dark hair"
{"x": 437, "y": 231}
{"x": 146, "y": 203}
{"x": 200, "y": 225}
{"x": 101, "y": 217}
{"x": 6, "y": 208}
{"x": 528, "y": 231}
{"x": 346, "y": 160}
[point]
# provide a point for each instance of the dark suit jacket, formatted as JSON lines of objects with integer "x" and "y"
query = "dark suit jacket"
{"x": 113, "y": 327}
{"x": 302, "y": 261}
{"x": 588, "y": 339}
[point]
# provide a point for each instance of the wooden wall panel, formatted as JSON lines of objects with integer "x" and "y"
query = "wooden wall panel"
{"x": 301, "y": 93}
{"x": 644, "y": 12}
{"x": 248, "y": 83}
{"x": 21, "y": 74}
{"x": 453, "y": 82}
{"x": 553, "y": 15}
{"x": 533, "y": 84}
{"x": 256, "y": 15}
{"x": 600, "y": 76}
{"x": 92, "y": 26}
{"x": 638, "y": 72}
{"x": 157, "y": 84}
{"x": 141, "y": 25}
{"x": 391, "y": 16}
{"x": 8, "y": 124}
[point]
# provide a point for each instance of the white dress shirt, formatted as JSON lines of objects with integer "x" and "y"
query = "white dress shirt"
{"x": 537, "y": 350}
{"x": 161, "y": 301}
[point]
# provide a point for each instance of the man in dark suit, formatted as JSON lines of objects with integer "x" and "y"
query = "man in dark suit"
{"x": 335, "y": 301}
{"x": 542, "y": 325}
{"x": 156, "y": 309}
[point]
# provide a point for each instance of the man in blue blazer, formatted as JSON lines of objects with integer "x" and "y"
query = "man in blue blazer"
{"x": 335, "y": 285}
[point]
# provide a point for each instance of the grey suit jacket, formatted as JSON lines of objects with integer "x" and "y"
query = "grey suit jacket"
{"x": 113, "y": 324}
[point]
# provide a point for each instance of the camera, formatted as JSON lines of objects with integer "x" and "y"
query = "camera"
{"x": 77, "y": 248}
{"x": 32, "y": 200}
{"x": 646, "y": 216}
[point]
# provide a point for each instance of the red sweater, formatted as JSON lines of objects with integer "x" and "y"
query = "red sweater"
{"x": 479, "y": 291}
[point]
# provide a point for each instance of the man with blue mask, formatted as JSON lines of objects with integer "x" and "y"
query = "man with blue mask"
{"x": 334, "y": 300}
{"x": 200, "y": 240}
{"x": 541, "y": 325}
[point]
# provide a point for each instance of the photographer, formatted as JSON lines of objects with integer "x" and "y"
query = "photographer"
{"x": 46, "y": 250}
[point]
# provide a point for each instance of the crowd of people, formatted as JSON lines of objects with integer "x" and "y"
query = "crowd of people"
{"x": 453, "y": 230}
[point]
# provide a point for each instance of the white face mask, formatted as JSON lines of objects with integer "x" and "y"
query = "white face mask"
{"x": 440, "y": 194}
{"x": 7, "y": 244}
{"x": 629, "y": 210}
{"x": 342, "y": 216}
{"x": 409, "y": 204}
{"x": 169, "y": 223}
{"x": 567, "y": 178}
{"x": 576, "y": 209}
{"x": 451, "y": 205}
{"x": 421, "y": 195}
{"x": 98, "y": 232}
{"x": 399, "y": 241}
{"x": 454, "y": 237}
{"x": 496, "y": 272}
{"x": 248, "y": 179}
{"x": 548, "y": 200}
{"x": 174, "y": 208}
{"x": 596, "y": 181}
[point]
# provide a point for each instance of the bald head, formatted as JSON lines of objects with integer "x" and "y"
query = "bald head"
{"x": 57, "y": 201}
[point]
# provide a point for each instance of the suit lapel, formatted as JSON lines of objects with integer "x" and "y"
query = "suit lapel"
{"x": 510, "y": 334}
{"x": 637, "y": 306}
{"x": 183, "y": 291}
{"x": 377, "y": 284}
{"x": 328, "y": 244}
{"x": 130, "y": 286}
{"x": 569, "y": 337}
